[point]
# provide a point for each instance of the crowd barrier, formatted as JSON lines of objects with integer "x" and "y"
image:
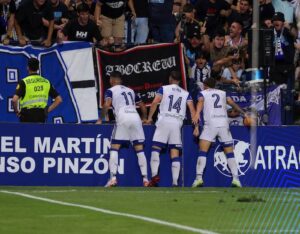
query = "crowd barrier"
{"x": 77, "y": 155}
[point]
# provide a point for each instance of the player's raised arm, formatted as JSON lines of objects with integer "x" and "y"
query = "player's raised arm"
{"x": 154, "y": 104}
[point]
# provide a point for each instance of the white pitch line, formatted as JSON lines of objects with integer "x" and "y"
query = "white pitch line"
{"x": 144, "y": 218}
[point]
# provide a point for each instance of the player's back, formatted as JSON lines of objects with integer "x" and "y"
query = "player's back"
{"x": 123, "y": 101}
{"x": 174, "y": 100}
{"x": 215, "y": 108}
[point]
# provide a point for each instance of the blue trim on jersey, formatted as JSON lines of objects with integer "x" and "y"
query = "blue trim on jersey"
{"x": 139, "y": 151}
{"x": 174, "y": 146}
{"x": 227, "y": 144}
{"x": 160, "y": 91}
{"x": 202, "y": 154}
{"x": 138, "y": 142}
{"x": 158, "y": 144}
{"x": 230, "y": 155}
{"x": 177, "y": 159}
{"x": 155, "y": 150}
{"x": 108, "y": 94}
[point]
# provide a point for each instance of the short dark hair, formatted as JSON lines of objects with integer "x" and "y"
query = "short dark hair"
{"x": 175, "y": 75}
{"x": 210, "y": 82}
{"x": 187, "y": 8}
{"x": 33, "y": 64}
{"x": 220, "y": 32}
{"x": 202, "y": 54}
{"x": 238, "y": 21}
{"x": 116, "y": 74}
{"x": 83, "y": 7}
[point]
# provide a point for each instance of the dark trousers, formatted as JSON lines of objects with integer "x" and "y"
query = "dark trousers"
{"x": 34, "y": 115}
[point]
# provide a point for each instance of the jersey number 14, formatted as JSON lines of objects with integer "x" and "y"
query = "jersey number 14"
{"x": 176, "y": 105}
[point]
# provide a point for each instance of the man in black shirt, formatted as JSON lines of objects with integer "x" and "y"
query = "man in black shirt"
{"x": 188, "y": 25}
{"x": 213, "y": 12}
{"x": 141, "y": 22}
{"x": 82, "y": 28}
{"x": 243, "y": 15}
{"x": 109, "y": 15}
{"x": 30, "y": 25}
{"x": 61, "y": 16}
{"x": 266, "y": 11}
{"x": 284, "y": 52}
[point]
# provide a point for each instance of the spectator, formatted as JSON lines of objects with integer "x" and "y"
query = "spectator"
{"x": 71, "y": 5}
{"x": 192, "y": 47}
{"x": 201, "y": 70}
{"x": 283, "y": 70}
{"x": 141, "y": 28}
{"x": 137, "y": 29}
{"x": 235, "y": 38}
{"x": 7, "y": 20}
{"x": 187, "y": 25}
{"x": 60, "y": 12}
{"x": 219, "y": 53}
{"x": 161, "y": 20}
{"x": 33, "y": 92}
{"x": 266, "y": 11}
{"x": 212, "y": 11}
{"x": 92, "y": 6}
{"x": 242, "y": 14}
{"x": 82, "y": 28}
{"x": 231, "y": 75}
{"x": 236, "y": 41}
{"x": 110, "y": 17}
{"x": 178, "y": 5}
{"x": 30, "y": 22}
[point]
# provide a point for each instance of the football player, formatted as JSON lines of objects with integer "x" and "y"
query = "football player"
{"x": 213, "y": 103}
{"x": 128, "y": 125}
{"x": 173, "y": 101}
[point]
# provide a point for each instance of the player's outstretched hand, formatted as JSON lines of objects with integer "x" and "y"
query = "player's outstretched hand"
{"x": 99, "y": 121}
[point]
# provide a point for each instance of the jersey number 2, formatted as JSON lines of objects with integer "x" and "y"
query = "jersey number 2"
{"x": 216, "y": 103}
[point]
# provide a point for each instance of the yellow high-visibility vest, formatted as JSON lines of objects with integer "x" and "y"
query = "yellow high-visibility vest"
{"x": 37, "y": 92}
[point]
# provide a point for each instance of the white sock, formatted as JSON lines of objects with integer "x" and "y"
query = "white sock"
{"x": 113, "y": 163}
{"x": 142, "y": 163}
{"x": 175, "y": 171}
{"x": 154, "y": 163}
{"x": 201, "y": 163}
{"x": 233, "y": 168}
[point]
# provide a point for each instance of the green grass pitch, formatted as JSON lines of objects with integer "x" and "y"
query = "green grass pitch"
{"x": 203, "y": 210}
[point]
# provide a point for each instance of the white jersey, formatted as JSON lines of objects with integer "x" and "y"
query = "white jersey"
{"x": 174, "y": 101}
{"x": 215, "y": 108}
{"x": 123, "y": 102}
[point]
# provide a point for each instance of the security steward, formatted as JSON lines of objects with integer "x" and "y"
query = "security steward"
{"x": 33, "y": 92}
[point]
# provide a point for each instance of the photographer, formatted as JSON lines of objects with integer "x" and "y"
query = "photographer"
{"x": 187, "y": 24}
